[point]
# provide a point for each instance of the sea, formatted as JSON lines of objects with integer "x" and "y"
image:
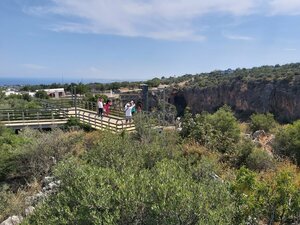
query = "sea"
{"x": 8, "y": 81}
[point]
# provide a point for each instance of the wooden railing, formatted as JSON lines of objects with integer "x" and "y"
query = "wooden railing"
{"x": 31, "y": 114}
{"x": 115, "y": 110}
{"x": 85, "y": 111}
{"x": 51, "y": 116}
{"x": 110, "y": 123}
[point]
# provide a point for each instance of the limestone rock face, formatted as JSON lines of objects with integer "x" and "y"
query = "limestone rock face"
{"x": 12, "y": 220}
{"x": 280, "y": 97}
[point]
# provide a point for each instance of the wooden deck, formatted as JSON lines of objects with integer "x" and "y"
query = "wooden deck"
{"x": 46, "y": 118}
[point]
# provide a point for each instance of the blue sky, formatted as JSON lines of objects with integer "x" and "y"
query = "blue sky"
{"x": 142, "y": 39}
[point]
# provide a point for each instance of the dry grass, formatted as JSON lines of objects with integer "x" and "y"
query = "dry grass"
{"x": 245, "y": 128}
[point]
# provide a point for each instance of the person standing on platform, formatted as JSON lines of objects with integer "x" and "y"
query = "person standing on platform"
{"x": 128, "y": 112}
{"x": 100, "y": 107}
{"x": 133, "y": 110}
{"x": 107, "y": 107}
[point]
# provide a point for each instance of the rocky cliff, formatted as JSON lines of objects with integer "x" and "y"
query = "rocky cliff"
{"x": 280, "y": 97}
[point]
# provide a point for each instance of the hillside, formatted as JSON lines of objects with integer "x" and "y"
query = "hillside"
{"x": 214, "y": 170}
{"x": 274, "y": 89}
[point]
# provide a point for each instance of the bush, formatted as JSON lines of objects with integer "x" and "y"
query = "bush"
{"x": 242, "y": 151}
{"x": 75, "y": 122}
{"x": 226, "y": 129}
{"x": 37, "y": 154}
{"x": 287, "y": 141}
{"x": 9, "y": 144}
{"x": 218, "y": 131}
{"x": 259, "y": 160}
{"x": 11, "y": 203}
{"x": 41, "y": 94}
{"x": 264, "y": 122}
{"x": 120, "y": 181}
{"x": 272, "y": 197}
{"x": 163, "y": 195}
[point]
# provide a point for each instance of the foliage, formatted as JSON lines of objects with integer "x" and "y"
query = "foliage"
{"x": 106, "y": 187}
{"x": 285, "y": 73}
{"x": 11, "y": 203}
{"x": 27, "y": 97}
{"x": 75, "y": 122}
{"x": 94, "y": 98}
{"x": 271, "y": 197}
{"x": 41, "y": 94}
{"x": 143, "y": 123}
{"x": 287, "y": 141}
{"x": 264, "y": 122}
{"x": 18, "y": 102}
{"x": 242, "y": 151}
{"x": 152, "y": 177}
{"x": 154, "y": 82}
{"x": 31, "y": 154}
{"x": 187, "y": 123}
{"x": 81, "y": 88}
{"x": 259, "y": 160}
{"x": 8, "y": 144}
{"x": 218, "y": 131}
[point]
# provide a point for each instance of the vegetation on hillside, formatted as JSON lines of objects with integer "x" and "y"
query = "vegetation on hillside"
{"x": 209, "y": 173}
{"x": 214, "y": 171}
{"x": 24, "y": 101}
{"x": 287, "y": 72}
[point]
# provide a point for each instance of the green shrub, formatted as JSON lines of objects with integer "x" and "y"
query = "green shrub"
{"x": 259, "y": 160}
{"x": 272, "y": 197}
{"x": 162, "y": 195}
{"x": 9, "y": 145}
{"x": 41, "y": 94}
{"x": 264, "y": 122}
{"x": 32, "y": 153}
{"x": 75, "y": 122}
{"x": 218, "y": 131}
{"x": 287, "y": 141}
{"x": 242, "y": 151}
{"x": 11, "y": 203}
{"x": 226, "y": 129}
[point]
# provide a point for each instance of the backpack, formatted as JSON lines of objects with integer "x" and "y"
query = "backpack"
{"x": 133, "y": 110}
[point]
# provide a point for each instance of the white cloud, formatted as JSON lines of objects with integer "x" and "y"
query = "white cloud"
{"x": 157, "y": 19}
{"x": 285, "y": 7}
{"x": 290, "y": 49}
{"x": 90, "y": 72}
{"x": 238, "y": 37}
{"x": 94, "y": 70}
{"x": 33, "y": 66}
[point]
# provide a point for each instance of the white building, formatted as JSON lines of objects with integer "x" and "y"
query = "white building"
{"x": 10, "y": 92}
{"x": 55, "y": 92}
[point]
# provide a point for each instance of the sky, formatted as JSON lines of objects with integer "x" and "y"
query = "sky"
{"x": 142, "y": 39}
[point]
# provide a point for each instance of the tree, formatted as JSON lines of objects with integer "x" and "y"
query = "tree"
{"x": 218, "y": 131}
{"x": 26, "y": 97}
{"x": 287, "y": 141}
{"x": 262, "y": 122}
{"x": 154, "y": 82}
{"x": 82, "y": 88}
{"x": 41, "y": 94}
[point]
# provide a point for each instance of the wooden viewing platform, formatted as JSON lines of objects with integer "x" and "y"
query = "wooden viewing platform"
{"x": 50, "y": 117}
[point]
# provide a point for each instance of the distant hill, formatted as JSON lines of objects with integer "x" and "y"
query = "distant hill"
{"x": 274, "y": 89}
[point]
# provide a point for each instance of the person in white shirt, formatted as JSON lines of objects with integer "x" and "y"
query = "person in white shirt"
{"x": 100, "y": 107}
{"x": 128, "y": 111}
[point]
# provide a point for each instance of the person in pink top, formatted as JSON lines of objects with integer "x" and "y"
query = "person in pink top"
{"x": 107, "y": 107}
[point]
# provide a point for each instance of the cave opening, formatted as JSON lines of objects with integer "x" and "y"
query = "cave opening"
{"x": 180, "y": 104}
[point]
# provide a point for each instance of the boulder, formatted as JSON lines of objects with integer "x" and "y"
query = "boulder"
{"x": 12, "y": 220}
{"x": 29, "y": 210}
{"x": 258, "y": 134}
